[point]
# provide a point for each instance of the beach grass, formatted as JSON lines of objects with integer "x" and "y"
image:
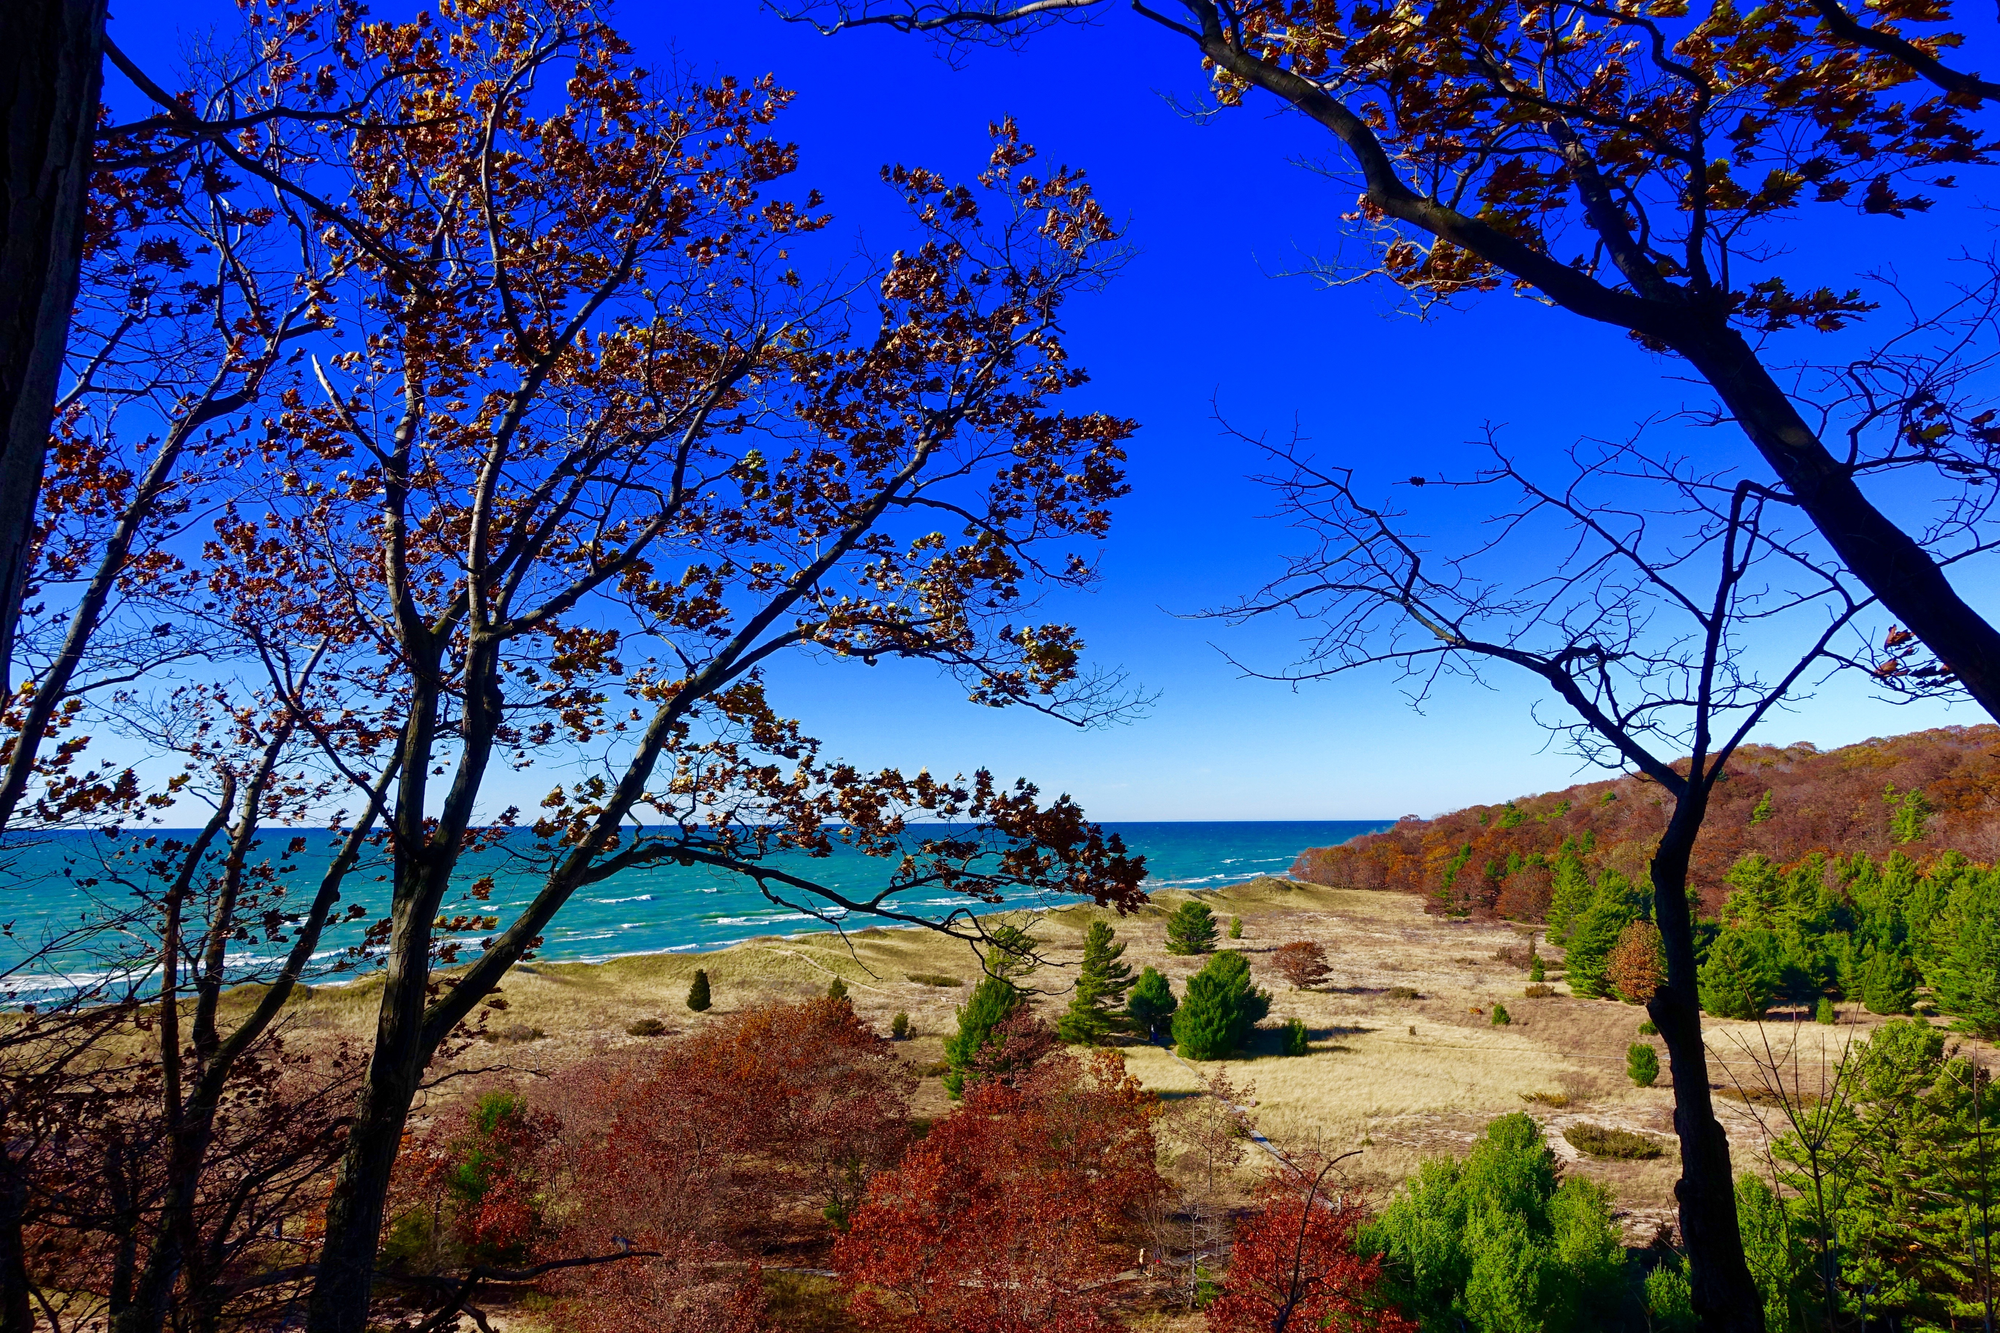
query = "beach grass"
{"x": 1403, "y": 1061}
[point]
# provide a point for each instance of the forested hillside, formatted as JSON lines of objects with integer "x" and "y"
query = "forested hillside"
{"x": 1922, "y": 794}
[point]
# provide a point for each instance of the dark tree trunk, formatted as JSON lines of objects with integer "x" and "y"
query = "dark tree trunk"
{"x": 1725, "y": 1297}
{"x": 17, "y": 1314}
{"x": 1882, "y": 555}
{"x": 49, "y": 80}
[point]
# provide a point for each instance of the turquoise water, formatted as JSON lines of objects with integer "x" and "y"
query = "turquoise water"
{"x": 54, "y": 884}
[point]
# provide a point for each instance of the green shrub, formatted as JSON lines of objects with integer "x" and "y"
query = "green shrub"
{"x": 1294, "y": 1037}
{"x": 698, "y": 994}
{"x": 1610, "y": 1141}
{"x": 1501, "y": 1018}
{"x": 992, "y": 1001}
{"x": 899, "y": 1027}
{"x": 1649, "y": 1029}
{"x": 1501, "y": 1241}
{"x": 1235, "y": 927}
{"x": 1152, "y": 1002}
{"x": 836, "y": 989}
{"x": 938, "y": 979}
{"x": 1536, "y": 971}
{"x": 646, "y": 1027}
{"x": 1642, "y": 1064}
{"x": 1219, "y": 1010}
{"x": 1670, "y": 1299}
{"x": 1191, "y": 929}
{"x": 1826, "y": 1013}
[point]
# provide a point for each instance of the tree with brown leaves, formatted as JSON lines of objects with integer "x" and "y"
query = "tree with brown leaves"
{"x": 1302, "y": 962}
{"x": 1636, "y": 165}
{"x": 581, "y": 452}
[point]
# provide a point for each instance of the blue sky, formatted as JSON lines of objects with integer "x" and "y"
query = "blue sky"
{"x": 1216, "y": 210}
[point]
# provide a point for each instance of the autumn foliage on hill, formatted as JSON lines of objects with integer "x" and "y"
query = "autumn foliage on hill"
{"x": 1001, "y": 1219}
{"x": 1922, "y": 794}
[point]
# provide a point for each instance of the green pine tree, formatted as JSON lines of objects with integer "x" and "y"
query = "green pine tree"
{"x": 1235, "y": 927}
{"x": 993, "y": 1000}
{"x": 1501, "y": 1241}
{"x": 1741, "y": 974}
{"x": 1221, "y": 1007}
{"x": 1642, "y": 1064}
{"x": 1594, "y": 934}
{"x": 1191, "y": 929}
{"x": 1570, "y": 897}
{"x": 1152, "y": 1003}
{"x": 836, "y": 989}
{"x": 1888, "y": 982}
{"x": 1012, "y": 953}
{"x": 1101, "y": 983}
{"x": 698, "y": 997}
{"x": 1964, "y": 968}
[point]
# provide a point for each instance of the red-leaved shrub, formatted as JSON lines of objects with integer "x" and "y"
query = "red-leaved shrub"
{"x": 1008, "y": 1216}
{"x": 1295, "y": 1267}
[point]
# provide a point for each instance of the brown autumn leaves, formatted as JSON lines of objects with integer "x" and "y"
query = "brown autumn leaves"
{"x": 454, "y": 397}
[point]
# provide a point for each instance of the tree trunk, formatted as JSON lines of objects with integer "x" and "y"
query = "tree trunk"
{"x": 17, "y": 1314}
{"x": 354, "y": 1215}
{"x": 1726, "y": 1299}
{"x": 1884, "y": 557}
{"x": 49, "y": 83}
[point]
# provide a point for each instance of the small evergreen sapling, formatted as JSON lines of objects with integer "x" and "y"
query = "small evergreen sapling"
{"x": 698, "y": 997}
{"x": 1826, "y": 1013}
{"x": 1501, "y": 1018}
{"x": 1235, "y": 927}
{"x": 836, "y": 990}
{"x": 1295, "y": 1039}
{"x": 1012, "y": 955}
{"x": 1537, "y": 973}
{"x": 1152, "y": 1004}
{"x": 1642, "y": 1064}
{"x": 1191, "y": 929}
{"x": 899, "y": 1027}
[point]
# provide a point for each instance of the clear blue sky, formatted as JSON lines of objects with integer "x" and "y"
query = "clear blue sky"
{"x": 1215, "y": 210}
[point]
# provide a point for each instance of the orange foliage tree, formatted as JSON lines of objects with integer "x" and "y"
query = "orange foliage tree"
{"x": 579, "y": 453}
{"x": 782, "y": 1103}
{"x": 1637, "y": 965}
{"x": 1301, "y": 962}
{"x": 1295, "y": 1264}
{"x": 1005, "y": 1218}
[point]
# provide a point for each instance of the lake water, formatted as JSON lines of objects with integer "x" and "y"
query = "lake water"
{"x": 51, "y": 884}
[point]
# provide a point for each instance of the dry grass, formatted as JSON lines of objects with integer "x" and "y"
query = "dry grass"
{"x": 1403, "y": 1061}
